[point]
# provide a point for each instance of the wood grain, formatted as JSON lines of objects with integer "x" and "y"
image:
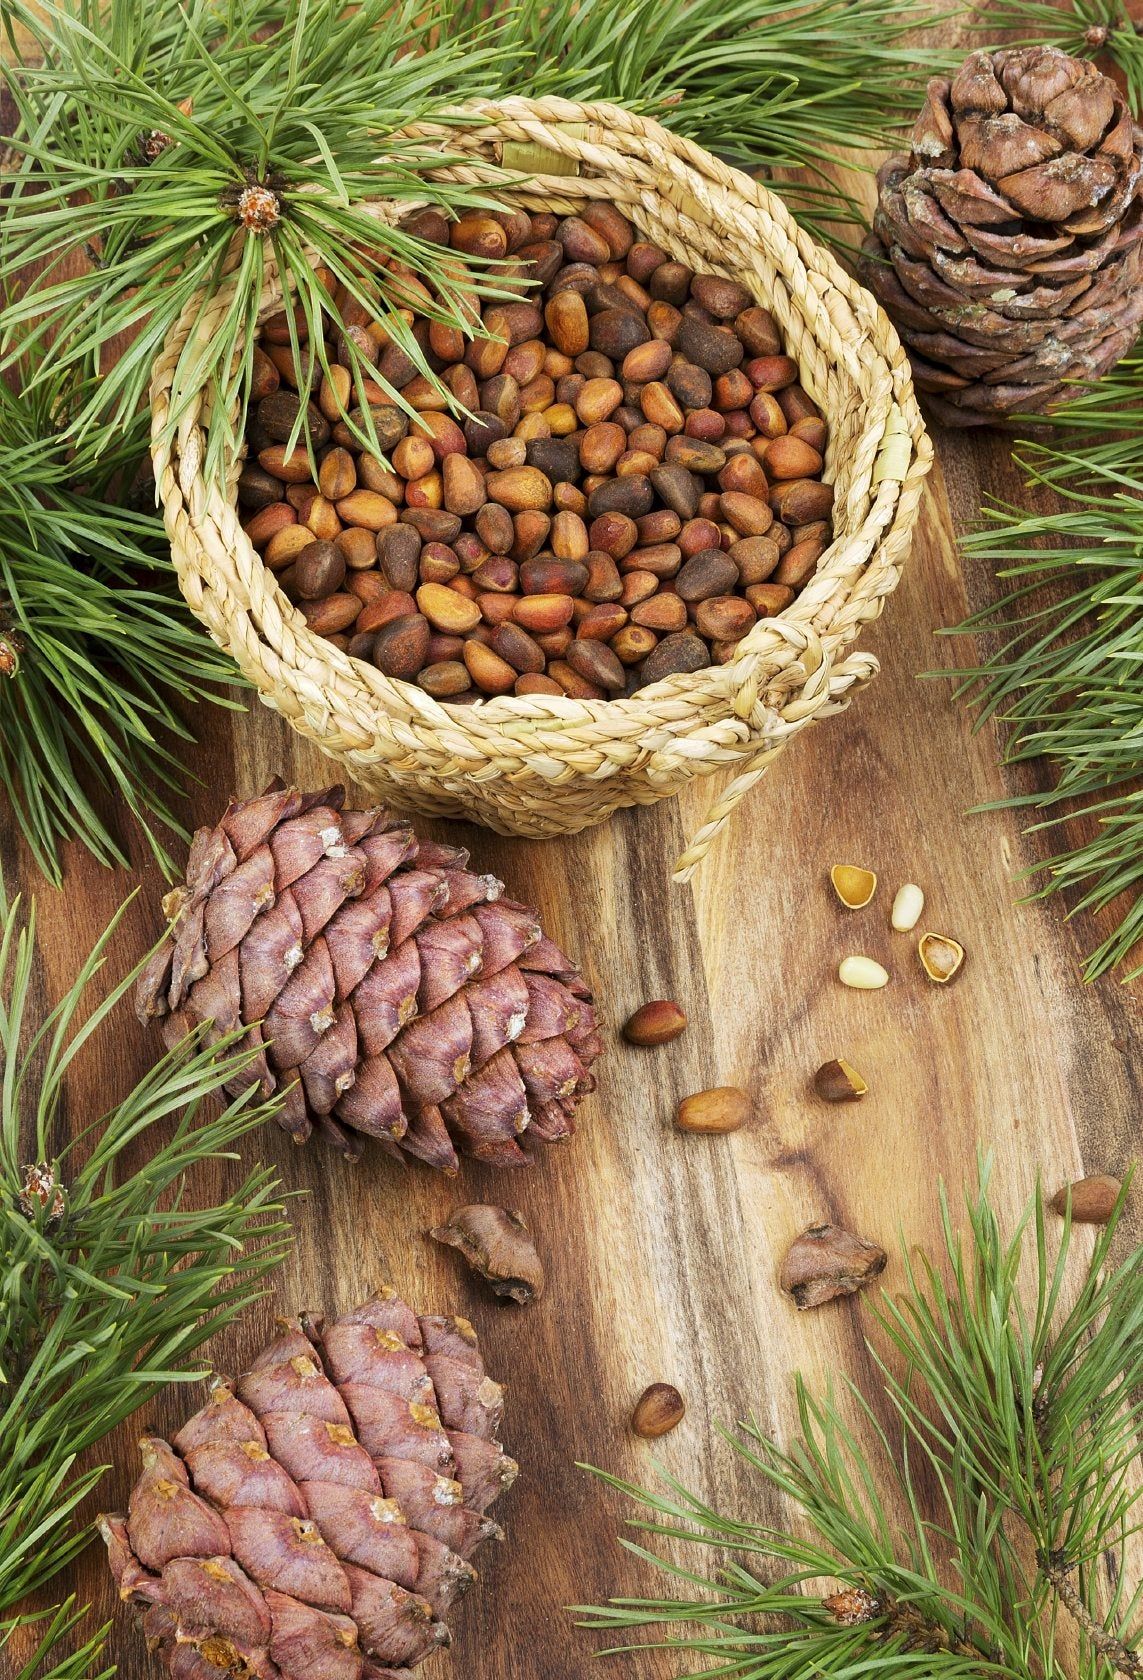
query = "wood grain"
{"x": 662, "y": 1249}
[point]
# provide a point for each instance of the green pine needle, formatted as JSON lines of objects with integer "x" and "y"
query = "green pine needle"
{"x": 1014, "y": 1461}
{"x": 106, "y": 655}
{"x": 1065, "y": 674}
{"x": 109, "y": 1280}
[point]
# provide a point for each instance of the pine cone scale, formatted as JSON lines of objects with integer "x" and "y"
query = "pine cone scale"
{"x": 302, "y": 1526}
{"x": 1011, "y": 228}
{"x": 392, "y": 991}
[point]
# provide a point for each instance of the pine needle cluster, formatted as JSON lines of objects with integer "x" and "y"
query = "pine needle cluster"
{"x": 109, "y": 1279}
{"x": 1065, "y": 672}
{"x": 988, "y": 1529}
{"x": 99, "y": 656}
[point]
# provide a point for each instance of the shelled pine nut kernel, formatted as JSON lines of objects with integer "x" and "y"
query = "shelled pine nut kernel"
{"x": 635, "y": 483}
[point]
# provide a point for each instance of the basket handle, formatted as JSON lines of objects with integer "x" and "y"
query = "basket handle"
{"x": 828, "y": 688}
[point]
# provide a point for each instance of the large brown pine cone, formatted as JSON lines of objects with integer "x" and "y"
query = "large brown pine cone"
{"x": 314, "y": 1520}
{"x": 390, "y": 990}
{"x": 1006, "y": 245}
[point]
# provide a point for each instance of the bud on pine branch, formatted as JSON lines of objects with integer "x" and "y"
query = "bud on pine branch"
{"x": 257, "y": 204}
{"x": 41, "y": 1190}
{"x": 11, "y": 647}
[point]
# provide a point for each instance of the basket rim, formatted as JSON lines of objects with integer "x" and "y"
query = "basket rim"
{"x": 793, "y": 646}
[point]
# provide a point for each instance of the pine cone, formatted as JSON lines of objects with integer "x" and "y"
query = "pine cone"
{"x": 314, "y": 1526}
{"x": 1012, "y": 234}
{"x": 393, "y": 991}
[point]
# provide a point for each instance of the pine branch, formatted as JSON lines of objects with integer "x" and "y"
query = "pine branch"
{"x": 141, "y": 126}
{"x": 111, "y": 1281}
{"x": 1025, "y": 1418}
{"x": 1084, "y": 28}
{"x": 1066, "y": 672}
{"x": 101, "y": 652}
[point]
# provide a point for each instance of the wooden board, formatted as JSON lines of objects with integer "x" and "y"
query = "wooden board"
{"x": 662, "y": 1249}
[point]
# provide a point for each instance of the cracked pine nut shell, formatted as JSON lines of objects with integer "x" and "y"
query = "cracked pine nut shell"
{"x": 907, "y": 908}
{"x": 837, "y": 1082}
{"x": 724, "y": 1109}
{"x": 658, "y": 1410}
{"x": 941, "y": 957}
{"x": 658, "y": 1022}
{"x": 854, "y": 886}
{"x": 862, "y": 974}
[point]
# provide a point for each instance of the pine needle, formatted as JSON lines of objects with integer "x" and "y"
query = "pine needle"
{"x": 109, "y": 1280}
{"x": 140, "y": 124}
{"x": 1023, "y": 1416}
{"x": 103, "y": 653}
{"x": 1065, "y": 674}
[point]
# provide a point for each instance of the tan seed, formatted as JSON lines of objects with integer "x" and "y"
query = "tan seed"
{"x": 723, "y": 1109}
{"x": 1092, "y": 1199}
{"x": 658, "y": 1022}
{"x": 447, "y": 610}
{"x": 658, "y": 1410}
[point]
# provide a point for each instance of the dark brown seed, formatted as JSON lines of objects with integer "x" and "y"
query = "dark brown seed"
{"x": 662, "y": 613}
{"x": 719, "y": 297}
{"x": 258, "y": 489}
{"x": 546, "y": 575}
{"x": 597, "y": 664}
{"x": 398, "y": 551}
{"x": 581, "y": 243}
{"x": 643, "y": 259}
{"x": 670, "y": 283}
{"x": 433, "y": 524}
{"x": 495, "y": 529}
{"x": 557, "y": 458}
{"x": 706, "y": 574}
{"x": 677, "y": 487}
{"x": 278, "y": 413}
{"x": 612, "y": 226}
{"x": 602, "y": 622}
{"x": 445, "y": 680}
{"x": 696, "y": 456}
{"x": 319, "y": 571}
{"x": 726, "y": 618}
{"x": 708, "y": 346}
{"x": 755, "y": 327}
{"x": 614, "y": 332}
{"x": 543, "y": 257}
{"x": 662, "y": 560}
{"x": 402, "y": 646}
{"x": 631, "y": 495}
{"x": 499, "y": 574}
{"x": 603, "y": 580}
{"x": 692, "y": 385}
{"x": 755, "y": 558}
{"x": 519, "y": 649}
{"x": 674, "y": 656}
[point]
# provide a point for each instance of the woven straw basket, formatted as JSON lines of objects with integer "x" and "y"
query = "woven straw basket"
{"x": 544, "y": 765}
